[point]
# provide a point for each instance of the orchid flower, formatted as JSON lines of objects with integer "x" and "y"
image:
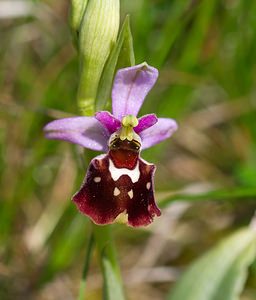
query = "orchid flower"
{"x": 119, "y": 183}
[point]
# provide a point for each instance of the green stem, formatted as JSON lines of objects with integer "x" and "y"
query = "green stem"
{"x": 113, "y": 289}
{"x": 88, "y": 255}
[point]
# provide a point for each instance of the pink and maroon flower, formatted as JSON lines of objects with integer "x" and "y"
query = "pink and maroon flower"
{"x": 119, "y": 183}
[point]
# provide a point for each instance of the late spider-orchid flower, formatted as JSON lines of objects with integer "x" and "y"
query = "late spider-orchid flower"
{"x": 119, "y": 183}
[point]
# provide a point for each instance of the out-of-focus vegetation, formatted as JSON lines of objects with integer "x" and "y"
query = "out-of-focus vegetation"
{"x": 205, "y": 180}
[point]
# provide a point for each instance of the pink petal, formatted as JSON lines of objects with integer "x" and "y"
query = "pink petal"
{"x": 131, "y": 86}
{"x": 84, "y": 131}
{"x": 145, "y": 122}
{"x": 108, "y": 121}
{"x": 162, "y": 130}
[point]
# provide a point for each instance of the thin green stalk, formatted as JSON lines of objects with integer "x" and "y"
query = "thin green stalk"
{"x": 87, "y": 260}
{"x": 113, "y": 288}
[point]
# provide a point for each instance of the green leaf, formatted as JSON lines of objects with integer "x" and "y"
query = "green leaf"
{"x": 222, "y": 195}
{"x": 220, "y": 273}
{"x": 174, "y": 24}
{"x": 121, "y": 56}
{"x": 194, "y": 44}
{"x": 113, "y": 289}
{"x": 126, "y": 56}
{"x": 87, "y": 261}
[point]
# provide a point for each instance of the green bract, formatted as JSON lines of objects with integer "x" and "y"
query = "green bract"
{"x": 76, "y": 15}
{"x": 97, "y": 34}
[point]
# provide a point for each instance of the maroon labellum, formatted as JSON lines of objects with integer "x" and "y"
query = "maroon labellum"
{"x": 119, "y": 183}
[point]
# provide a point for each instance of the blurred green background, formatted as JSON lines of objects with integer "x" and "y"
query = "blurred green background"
{"x": 205, "y": 181}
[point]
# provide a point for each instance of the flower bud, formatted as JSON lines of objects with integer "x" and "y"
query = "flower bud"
{"x": 76, "y": 15}
{"x": 97, "y": 34}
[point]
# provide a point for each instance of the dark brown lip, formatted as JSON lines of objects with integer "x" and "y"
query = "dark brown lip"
{"x": 125, "y": 145}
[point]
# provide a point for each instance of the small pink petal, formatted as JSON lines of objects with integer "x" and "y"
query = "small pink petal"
{"x": 145, "y": 122}
{"x": 108, "y": 121}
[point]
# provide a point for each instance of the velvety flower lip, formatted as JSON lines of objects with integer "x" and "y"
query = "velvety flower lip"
{"x": 119, "y": 182}
{"x": 121, "y": 195}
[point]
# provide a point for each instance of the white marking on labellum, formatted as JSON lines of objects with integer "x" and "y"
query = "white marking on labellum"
{"x": 130, "y": 193}
{"x": 116, "y": 191}
{"x": 116, "y": 173}
{"x": 97, "y": 179}
{"x": 148, "y": 185}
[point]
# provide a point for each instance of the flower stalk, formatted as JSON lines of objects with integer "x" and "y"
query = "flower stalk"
{"x": 113, "y": 287}
{"x": 88, "y": 255}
